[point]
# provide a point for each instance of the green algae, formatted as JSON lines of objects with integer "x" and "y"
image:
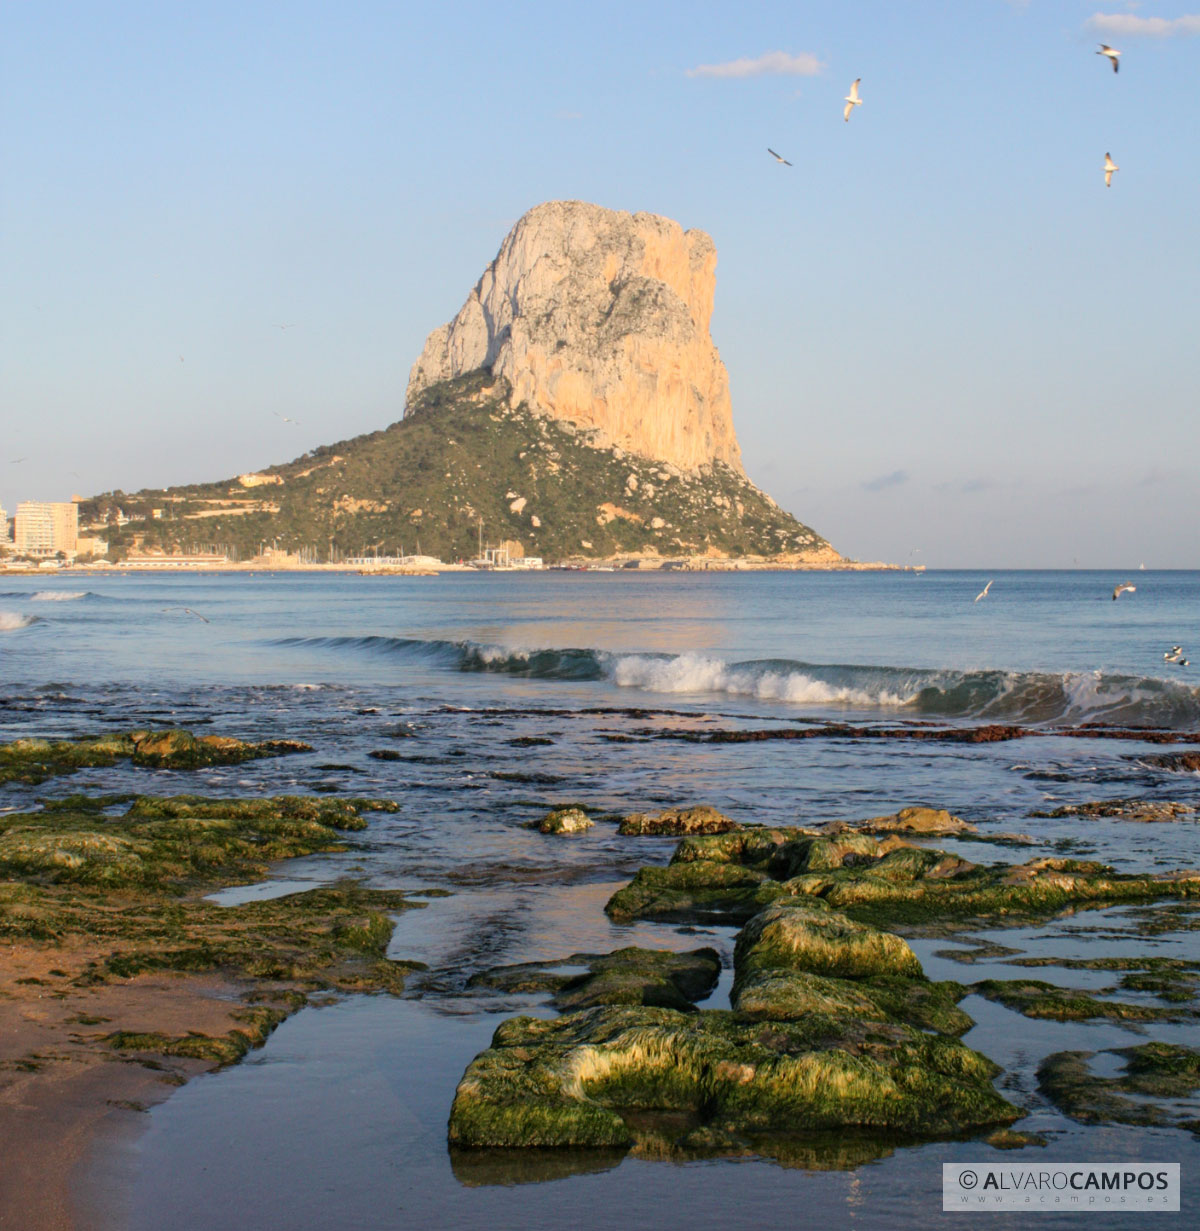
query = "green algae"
{"x": 563, "y": 821}
{"x": 834, "y": 1027}
{"x": 731, "y": 877}
{"x": 258, "y": 1023}
{"x": 627, "y": 976}
{"x": 1152, "y": 1070}
{"x": 1036, "y": 999}
{"x": 32, "y": 761}
{"x": 676, "y": 822}
{"x": 173, "y": 841}
{"x": 121, "y": 897}
{"x": 569, "y": 1082}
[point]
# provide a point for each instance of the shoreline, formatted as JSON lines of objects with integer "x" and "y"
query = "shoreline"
{"x": 614, "y": 565}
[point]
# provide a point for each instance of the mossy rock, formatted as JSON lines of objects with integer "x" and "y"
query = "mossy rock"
{"x": 626, "y": 976}
{"x": 172, "y": 842}
{"x": 34, "y": 760}
{"x": 884, "y": 882}
{"x": 796, "y": 936}
{"x": 1048, "y": 1001}
{"x": 749, "y": 847}
{"x": 677, "y": 822}
{"x": 696, "y": 891}
{"x": 572, "y": 1081}
{"x": 1152, "y": 1070}
{"x": 563, "y": 821}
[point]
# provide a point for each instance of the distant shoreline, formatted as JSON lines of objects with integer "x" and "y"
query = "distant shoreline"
{"x": 619, "y": 565}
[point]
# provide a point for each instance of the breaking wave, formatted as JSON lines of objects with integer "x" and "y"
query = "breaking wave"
{"x": 10, "y": 621}
{"x": 991, "y": 696}
{"x": 58, "y": 596}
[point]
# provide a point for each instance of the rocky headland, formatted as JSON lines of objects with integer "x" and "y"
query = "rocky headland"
{"x": 575, "y": 409}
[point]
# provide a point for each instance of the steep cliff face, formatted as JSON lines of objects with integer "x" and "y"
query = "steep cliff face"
{"x": 600, "y": 317}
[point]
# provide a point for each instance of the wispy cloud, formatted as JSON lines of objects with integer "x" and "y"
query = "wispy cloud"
{"x": 774, "y": 63}
{"x": 894, "y": 479}
{"x": 1127, "y": 24}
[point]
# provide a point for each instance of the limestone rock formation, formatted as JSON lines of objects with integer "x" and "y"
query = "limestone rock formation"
{"x": 600, "y": 318}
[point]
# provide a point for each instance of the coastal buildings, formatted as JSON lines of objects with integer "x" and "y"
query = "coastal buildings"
{"x": 45, "y": 528}
{"x": 5, "y": 538}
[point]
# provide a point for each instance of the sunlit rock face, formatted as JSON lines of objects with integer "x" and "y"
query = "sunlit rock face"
{"x": 601, "y": 318}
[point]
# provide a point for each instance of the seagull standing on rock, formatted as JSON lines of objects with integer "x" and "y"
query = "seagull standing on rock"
{"x": 1109, "y": 168}
{"x": 852, "y": 99}
{"x": 1111, "y": 54}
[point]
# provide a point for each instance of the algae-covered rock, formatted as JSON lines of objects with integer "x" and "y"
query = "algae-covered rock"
{"x": 731, "y": 876}
{"x": 1009, "y": 1139}
{"x": 678, "y": 822}
{"x": 571, "y": 1081}
{"x": 930, "y": 822}
{"x": 627, "y": 976}
{"x": 1036, "y": 999}
{"x": 563, "y": 820}
{"x": 775, "y": 995}
{"x": 797, "y": 936}
{"x": 1147, "y": 811}
{"x": 178, "y": 749}
{"x": 751, "y": 848}
{"x": 699, "y": 890}
{"x": 34, "y": 760}
{"x": 1152, "y": 1070}
{"x": 172, "y": 842}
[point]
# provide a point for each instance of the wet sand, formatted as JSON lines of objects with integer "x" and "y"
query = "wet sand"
{"x": 64, "y": 1093}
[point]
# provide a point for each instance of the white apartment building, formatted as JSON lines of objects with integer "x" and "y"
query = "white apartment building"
{"x": 44, "y": 528}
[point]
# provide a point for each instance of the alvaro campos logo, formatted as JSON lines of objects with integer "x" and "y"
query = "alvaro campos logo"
{"x": 1127, "y": 1187}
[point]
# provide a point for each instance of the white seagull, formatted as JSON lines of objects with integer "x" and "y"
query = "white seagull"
{"x": 294, "y": 422}
{"x": 777, "y": 157}
{"x": 1174, "y": 654}
{"x": 1109, "y": 168}
{"x": 983, "y": 593}
{"x": 1125, "y": 587}
{"x": 852, "y": 99}
{"x": 1111, "y": 54}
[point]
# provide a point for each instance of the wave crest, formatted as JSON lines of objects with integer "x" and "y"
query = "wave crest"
{"x": 10, "y": 621}
{"x": 993, "y": 696}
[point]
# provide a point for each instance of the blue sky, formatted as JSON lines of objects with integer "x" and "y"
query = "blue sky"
{"x": 947, "y": 341}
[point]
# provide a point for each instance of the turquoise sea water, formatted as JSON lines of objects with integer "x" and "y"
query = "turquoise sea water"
{"x": 451, "y": 674}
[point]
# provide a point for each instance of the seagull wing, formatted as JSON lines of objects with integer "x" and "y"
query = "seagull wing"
{"x": 854, "y": 89}
{"x": 846, "y": 113}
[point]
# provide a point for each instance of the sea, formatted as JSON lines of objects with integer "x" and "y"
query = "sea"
{"x": 495, "y": 696}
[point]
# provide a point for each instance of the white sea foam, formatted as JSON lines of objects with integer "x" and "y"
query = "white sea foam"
{"x": 698, "y": 673}
{"x": 10, "y": 621}
{"x": 57, "y": 596}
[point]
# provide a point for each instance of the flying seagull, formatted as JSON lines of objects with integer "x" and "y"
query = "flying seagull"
{"x": 852, "y": 99}
{"x": 777, "y": 157}
{"x": 983, "y": 593}
{"x": 189, "y": 611}
{"x": 291, "y": 326}
{"x": 1111, "y": 54}
{"x": 293, "y": 422}
{"x": 1109, "y": 168}
{"x": 1174, "y": 655}
{"x": 1126, "y": 587}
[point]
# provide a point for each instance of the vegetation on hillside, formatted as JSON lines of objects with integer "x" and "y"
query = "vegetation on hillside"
{"x": 460, "y": 466}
